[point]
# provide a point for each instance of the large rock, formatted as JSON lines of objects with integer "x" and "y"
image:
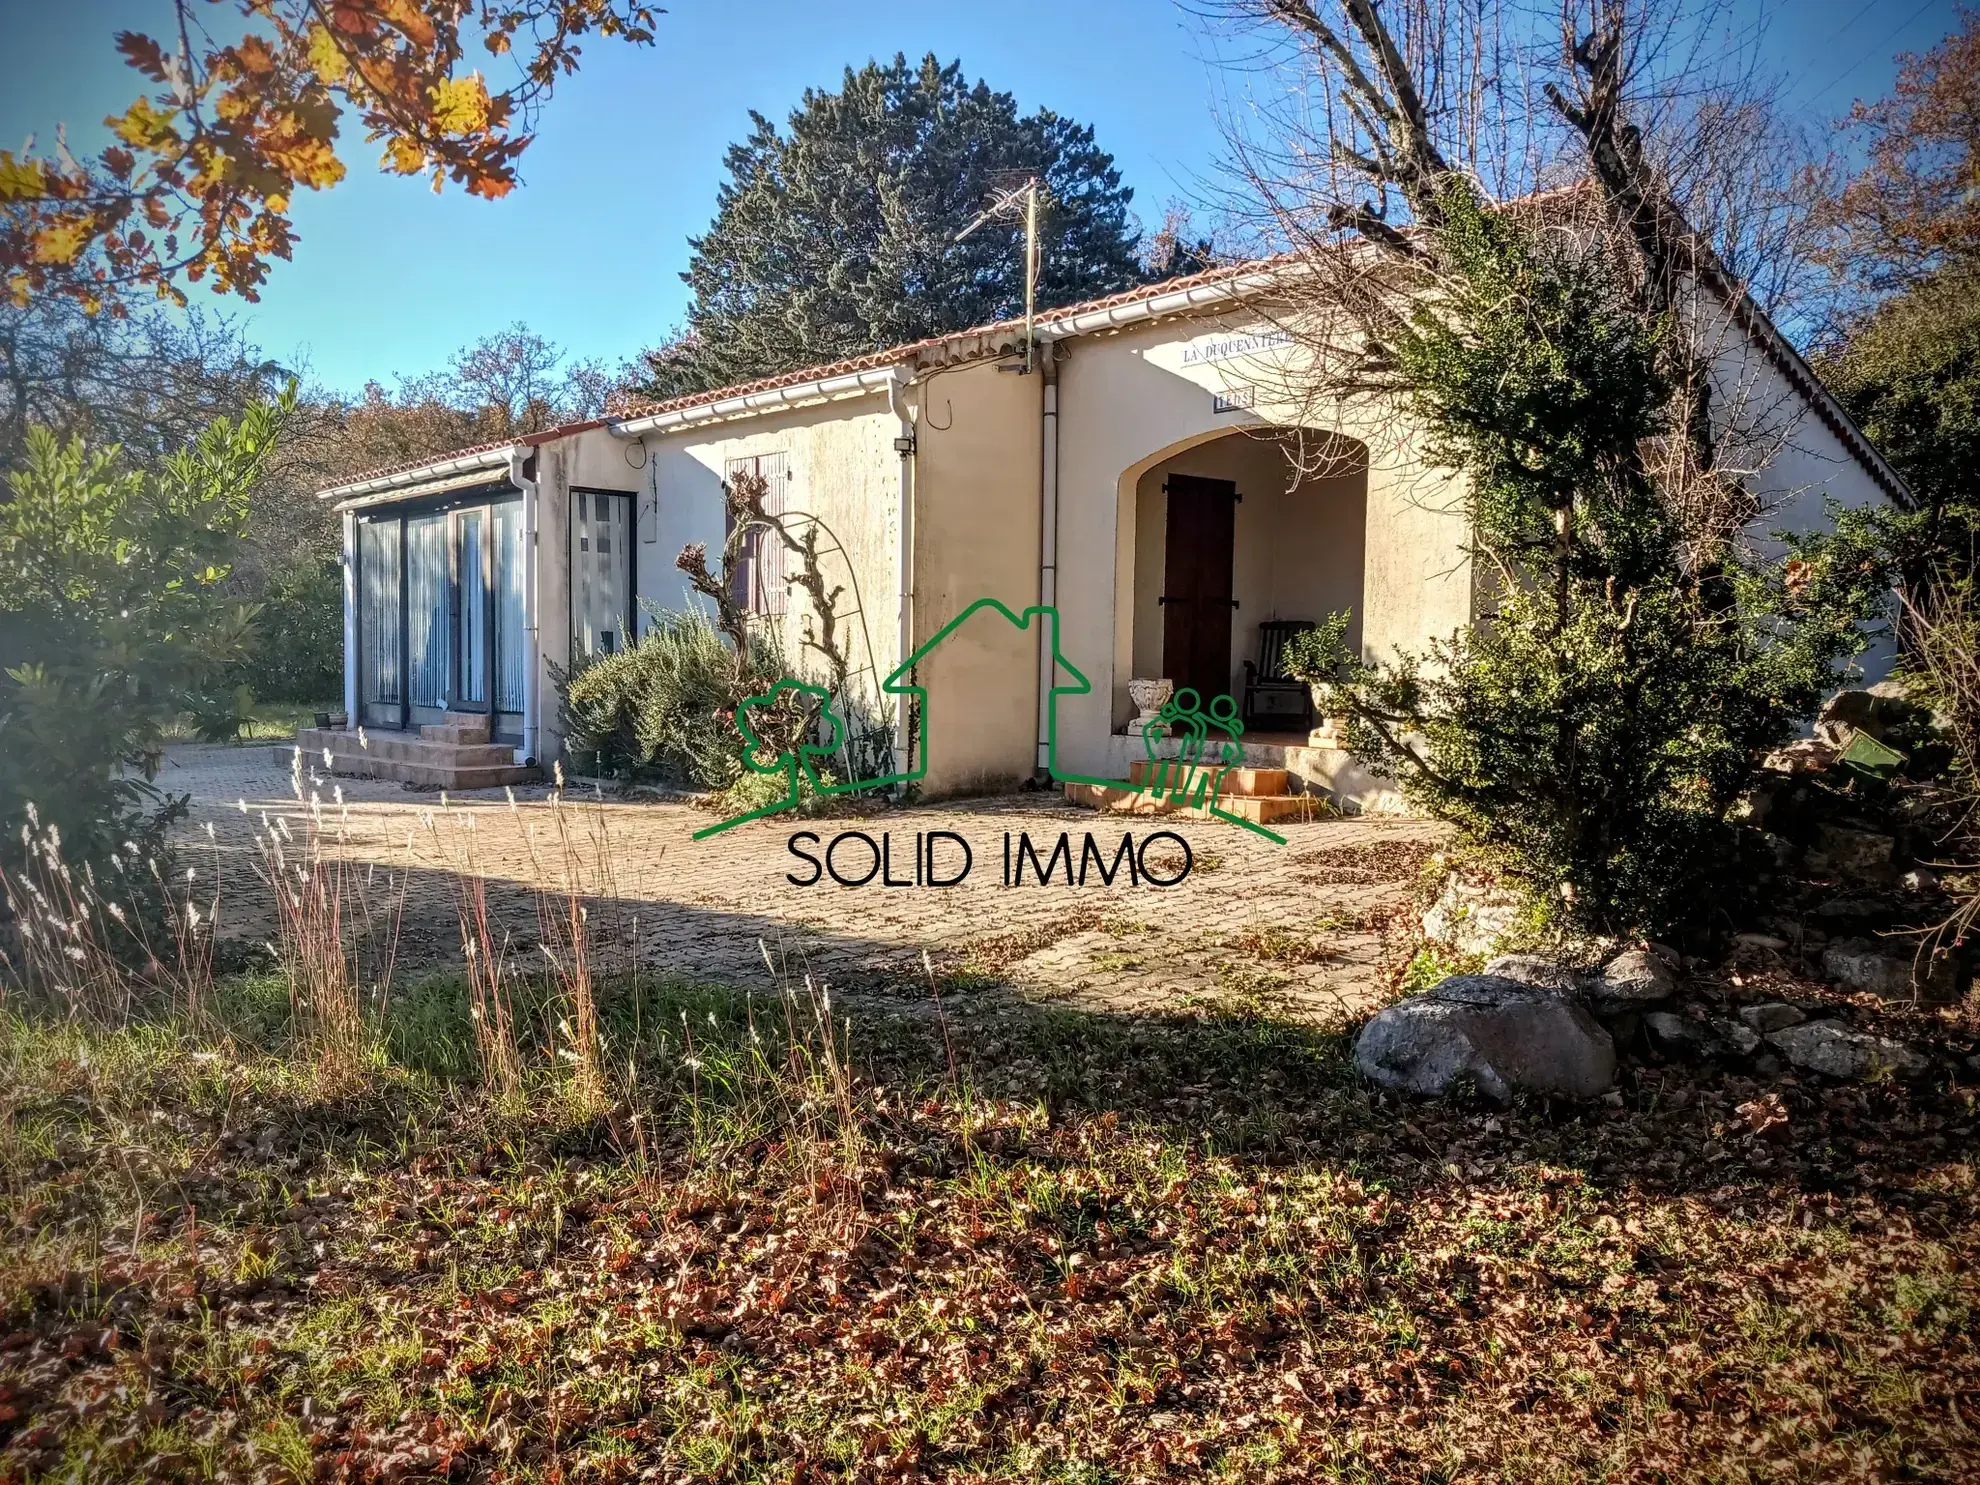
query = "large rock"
{"x": 1473, "y": 917}
{"x": 1496, "y": 1032}
{"x": 1882, "y": 710}
{"x": 1774, "y": 1015}
{"x": 1739, "y": 1039}
{"x": 1805, "y": 755}
{"x": 1866, "y": 964}
{"x": 1684, "y": 1036}
{"x": 1837, "y": 1051}
{"x": 1640, "y": 977}
{"x": 1844, "y": 714}
{"x": 1538, "y": 971}
{"x": 1862, "y": 964}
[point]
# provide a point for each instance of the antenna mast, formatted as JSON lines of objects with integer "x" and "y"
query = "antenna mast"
{"x": 1006, "y": 202}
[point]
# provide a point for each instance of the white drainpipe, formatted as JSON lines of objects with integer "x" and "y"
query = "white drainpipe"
{"x": 897, "y": 385}
{"x": 532, "y": 659}
{"x": 1048, "y": 548}
{"x": 350, "y": 618}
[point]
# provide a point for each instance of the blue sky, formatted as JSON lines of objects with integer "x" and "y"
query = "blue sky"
{"x": 389, "y": 278}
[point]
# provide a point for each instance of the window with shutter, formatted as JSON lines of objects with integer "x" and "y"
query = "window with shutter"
{"x": 758, "y": 583}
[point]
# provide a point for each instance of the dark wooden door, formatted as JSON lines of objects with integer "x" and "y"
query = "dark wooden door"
{"x": 1196, "y": 585}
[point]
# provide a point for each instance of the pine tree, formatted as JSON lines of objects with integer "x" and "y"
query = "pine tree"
{"x": 837, "y": 235}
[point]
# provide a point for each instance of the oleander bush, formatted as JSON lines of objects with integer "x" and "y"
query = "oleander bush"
{"x": 114, "y": 612}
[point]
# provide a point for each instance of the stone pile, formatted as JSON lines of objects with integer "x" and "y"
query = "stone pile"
{"x": 1531, "y": 1024}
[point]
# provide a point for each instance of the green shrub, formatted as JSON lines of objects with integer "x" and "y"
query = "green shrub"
{"x": 113, "y": 609}
{"x": 660, "y": 708}
{"x": 222, "y": 714}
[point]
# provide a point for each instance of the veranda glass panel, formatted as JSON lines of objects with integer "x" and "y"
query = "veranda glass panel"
{"x": 426, "y": 609}
{"x": 510, "y": 654}
{"x": 379, "y": 681}
{"x": 471, "y": 528}
{"x": 601, "y": 576}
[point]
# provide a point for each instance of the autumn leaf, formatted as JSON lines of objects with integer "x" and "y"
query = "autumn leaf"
{"x": 144, "y": 127}
{"x": 460, "y": 105}
{"x": 63, "y": 242}
{"x": 403, "y": 156}
{"x": 211, "y": 161}
{"x": 21, "y": 179}
{"x": 145, "y": 55}
{"x": 326, "y": 58}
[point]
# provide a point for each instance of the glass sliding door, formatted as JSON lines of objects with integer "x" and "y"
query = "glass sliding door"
{"x": 441, "y": 615}
{"x": 601, "y": 573}
{"x": 511, "y": 614}
{"x": 472, "y": 633}
{"x": 381, "y": 628}
{"x": 429, "y": 651}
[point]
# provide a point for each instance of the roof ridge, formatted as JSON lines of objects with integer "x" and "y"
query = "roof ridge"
{"x": 797, "y": 376}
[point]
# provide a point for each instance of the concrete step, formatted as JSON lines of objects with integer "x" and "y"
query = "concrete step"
{"x": 1259, "y": 809}
{"x": 1249, "y": 782}
{"x": 472, "y": 730}
{"x": 404, "y": 759}
{"x": 402, "y": 747}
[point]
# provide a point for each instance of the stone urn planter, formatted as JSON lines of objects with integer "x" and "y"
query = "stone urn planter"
{"x": 1149, "y": 695}
{"x": 1327, "y": 730}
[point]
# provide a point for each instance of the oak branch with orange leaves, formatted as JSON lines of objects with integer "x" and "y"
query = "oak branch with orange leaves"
{"x": 197, "y": 185}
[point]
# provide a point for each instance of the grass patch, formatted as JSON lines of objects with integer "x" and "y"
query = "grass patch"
{"x": 1086, "y": 1248}
{"x": 653, "y": 1230}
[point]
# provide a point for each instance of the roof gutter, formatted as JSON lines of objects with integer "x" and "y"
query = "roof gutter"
{"x": 1198, "y": 296}
{"x": 439, "y": 469}
{"x": 1004, "y": 339}
{"x": 851, "y": 384}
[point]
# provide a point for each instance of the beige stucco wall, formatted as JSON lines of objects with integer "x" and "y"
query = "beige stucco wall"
{"x": 1801, "y": 463}
{"x": 1143, "y": 399}
{"x": 842, "y": 469}
{"x": 976, "y": 536}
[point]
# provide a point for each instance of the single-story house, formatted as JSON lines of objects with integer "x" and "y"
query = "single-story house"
{"x": 1143, "y": 475}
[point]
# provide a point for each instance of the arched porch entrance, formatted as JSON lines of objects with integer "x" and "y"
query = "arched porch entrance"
{"x": 1225, "y": 540}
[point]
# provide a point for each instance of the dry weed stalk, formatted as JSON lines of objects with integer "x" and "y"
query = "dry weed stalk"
{"x": 486, "y": 962}
{"x": 1943, "y": 626}
{"x": 336, "y": 946}
{"x": 811, "y": 1091}
{"x": 564, "y": 934}
{"x": 93, "y": 947}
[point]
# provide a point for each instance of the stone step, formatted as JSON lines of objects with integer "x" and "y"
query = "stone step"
{"x": 1249, "y": 782}
{"x": 401, "y": 747}
{"x": 400, "y": 758}
{"x": 1259, "y": 809}
{"x": 470, "y": 730}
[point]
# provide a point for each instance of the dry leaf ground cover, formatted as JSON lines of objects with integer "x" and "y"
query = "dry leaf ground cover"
{"x": 1043, "y": 1245}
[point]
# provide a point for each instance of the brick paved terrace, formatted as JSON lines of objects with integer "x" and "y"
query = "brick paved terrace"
{"x": 1293, "y": 931}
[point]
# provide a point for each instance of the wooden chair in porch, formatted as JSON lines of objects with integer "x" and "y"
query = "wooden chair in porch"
{"x": 1270, "y": 695}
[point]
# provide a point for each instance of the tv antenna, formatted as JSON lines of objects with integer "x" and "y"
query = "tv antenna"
{"x": 1022, "y": 197}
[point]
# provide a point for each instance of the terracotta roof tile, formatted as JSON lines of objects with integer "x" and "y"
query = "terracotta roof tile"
{"x": 1783, "y": 355}
{"x": 866, "y": 361}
